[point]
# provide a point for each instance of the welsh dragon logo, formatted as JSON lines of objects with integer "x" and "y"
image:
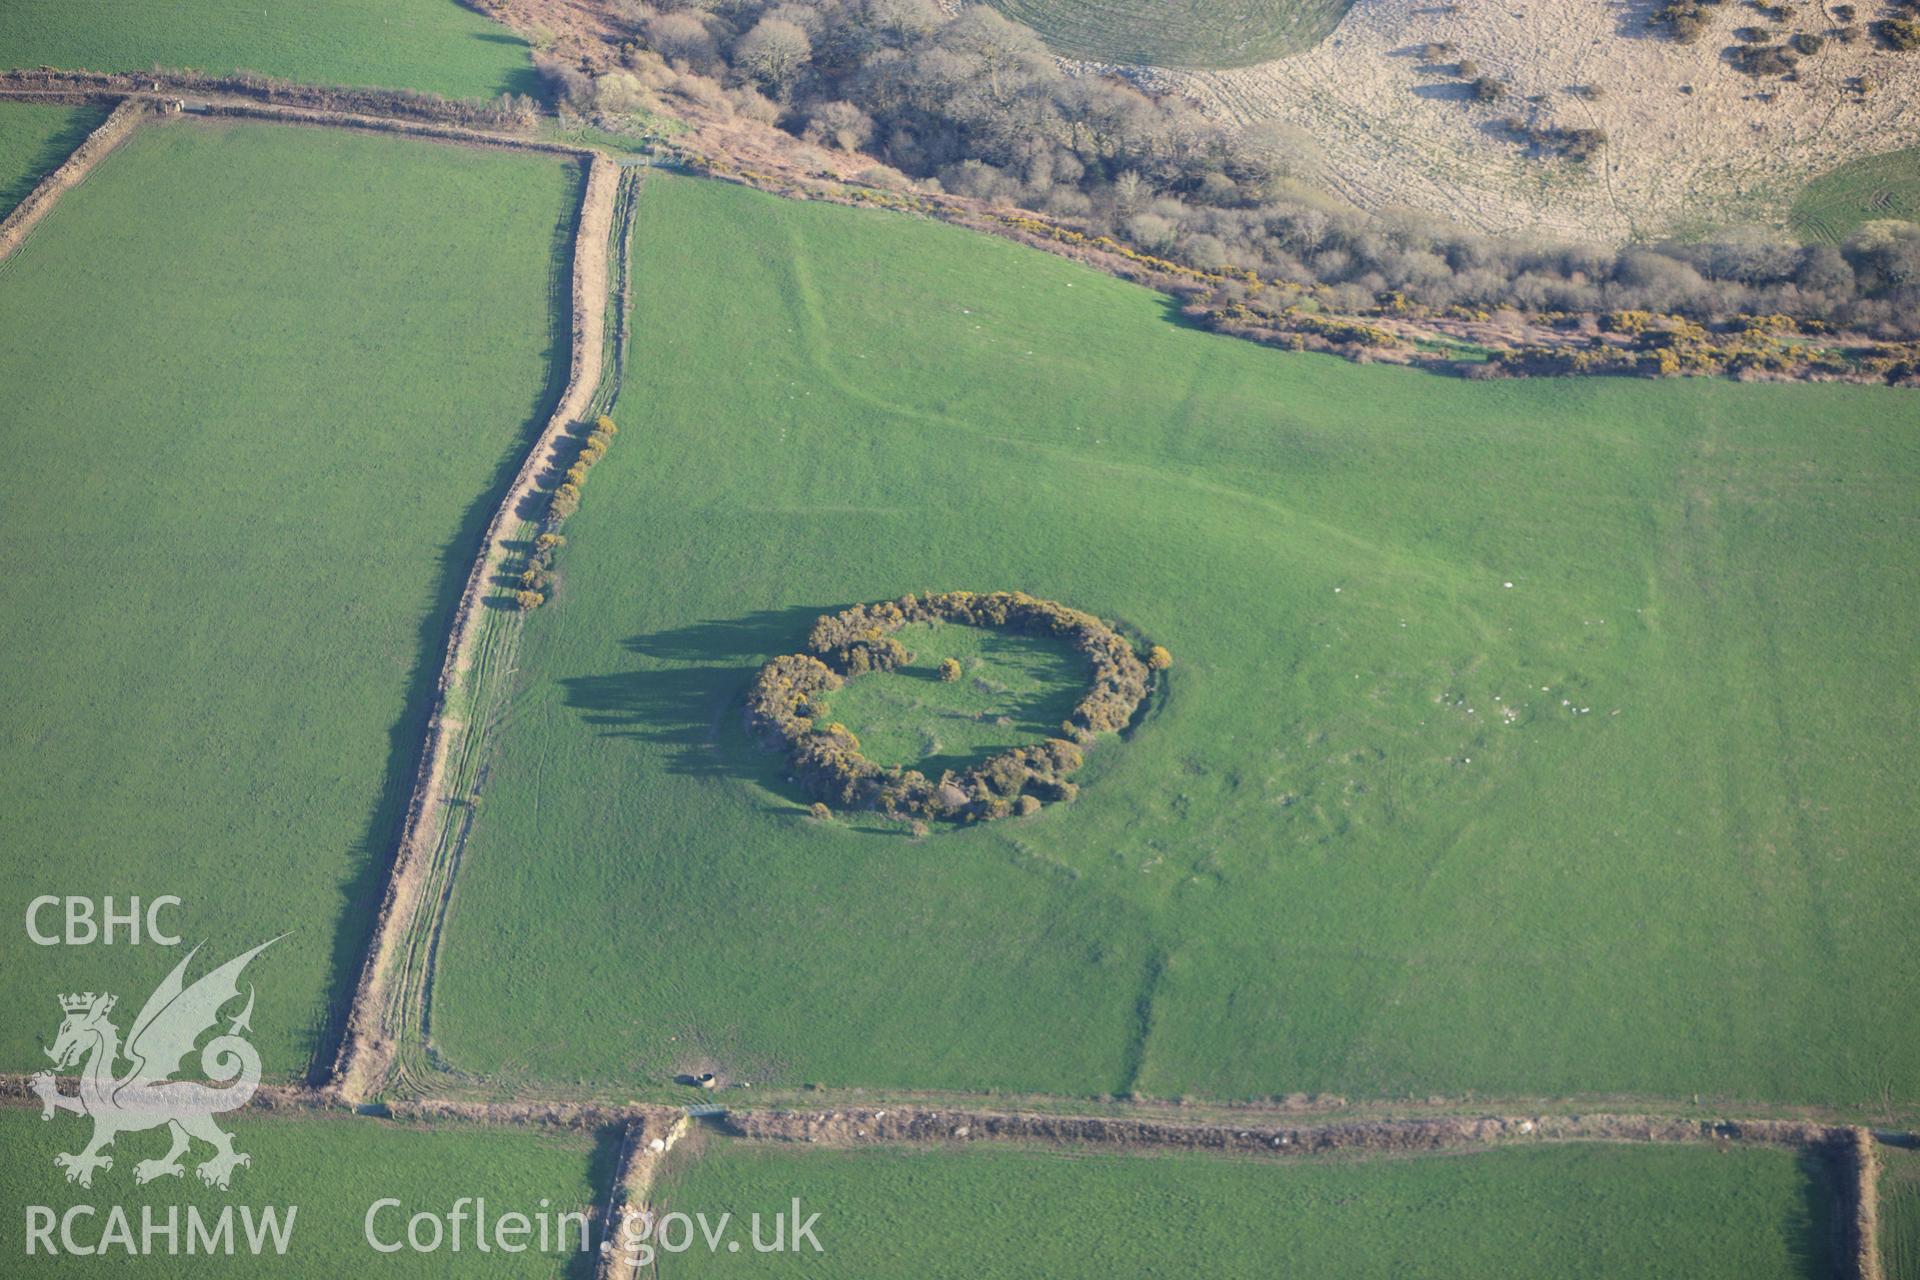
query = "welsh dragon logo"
{"x": 145, "y": 1097}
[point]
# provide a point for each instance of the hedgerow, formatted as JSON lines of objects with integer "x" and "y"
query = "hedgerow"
{"x": 535, "y": 579}
{"x": 783, "y": 707}
{"x": 565, "y": 500}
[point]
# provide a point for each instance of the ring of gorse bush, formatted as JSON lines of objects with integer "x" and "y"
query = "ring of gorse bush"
{"x": 782, "y": 707}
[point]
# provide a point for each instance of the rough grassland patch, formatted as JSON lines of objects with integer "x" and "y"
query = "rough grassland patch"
{"x": 1398, "y": 133}
{"x": 1395, "y": 828}
{"x": 264, "y": 386}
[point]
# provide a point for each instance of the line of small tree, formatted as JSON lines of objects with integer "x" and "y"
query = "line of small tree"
{"x": 1673, "y": 345}
{"x": 536, "y": 575}
{"x": 784, "y": 707}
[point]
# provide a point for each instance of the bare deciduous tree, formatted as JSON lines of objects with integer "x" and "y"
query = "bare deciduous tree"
{"x": 775, "y": 52}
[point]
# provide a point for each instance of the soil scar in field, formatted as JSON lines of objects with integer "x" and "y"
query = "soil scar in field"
{"x": 648, "y": 1140}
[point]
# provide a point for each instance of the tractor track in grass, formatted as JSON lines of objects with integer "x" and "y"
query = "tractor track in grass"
{"x": 385, "y": 1043}
{"x": 415, "y": 1067}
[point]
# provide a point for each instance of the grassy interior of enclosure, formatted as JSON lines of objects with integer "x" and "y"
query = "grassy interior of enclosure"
{"x": 1900, "y": 1212}
{"x": 436, "y": 46}
{"x": 1013, "y": 690}
{"x": 1873, "y": 187}
{"x": 1539, "y": 737}
{"x": 1178, "y": 33}
{"x": 34, "y": 139}
{"x": 328, "y": 1172}
{"x": 263, "y": 387}
{"x": 1558, "y": 1211}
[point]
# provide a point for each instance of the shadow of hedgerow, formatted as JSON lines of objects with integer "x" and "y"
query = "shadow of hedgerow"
{"x": 696, "y": 705}
{"x": 968, "y": 695}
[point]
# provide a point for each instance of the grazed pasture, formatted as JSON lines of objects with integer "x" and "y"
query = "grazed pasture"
{"x": 1178, "y": 33}
{"x": 1871, "y": 188}
{"x": 1012, "y": 690}
{"x": 34, "y": 139}
{"x": 436, "y": 46}
{"x": 1631, "y": 824}
{"x": 262, "y": 391}
{"x": 1562, "y": 1212}
{"x": 1900, "y": 1211}
{"x": 329, "y": 1171}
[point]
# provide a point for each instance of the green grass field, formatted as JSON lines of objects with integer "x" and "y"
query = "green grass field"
{"x": 1547, "y": 738}
{"x": 1013, "y": 690}
{"x": 1900, "y": 1212}
{"x": 1882, "y": 186}
{"x": 1636, "y": 823}
{"x": 1178, "y": 33}
{"x": 438, "y": 46}
{"x": 34, "y": 139}
{"x": 1563, "y": 1212}
{"x": 252, "y": 450}
{"x": 330, "y": 1171}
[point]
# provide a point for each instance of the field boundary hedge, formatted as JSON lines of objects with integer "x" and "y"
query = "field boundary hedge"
{"x": 1849, "y": 1148}
{"x": 1863, "y": 1168}
{"x": 504, "y": 111}
{"x": 1452, "y": 340}
{"x": 857, "y": 1125}
{"x": 367, "y": 1047}
{"x": 1255, "y": 1132}
{"x": 70, "y": 173}
{"x": 385, "y": 124}
{"x": 633, "y": 1177}
{"x": 374, "y": 111}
